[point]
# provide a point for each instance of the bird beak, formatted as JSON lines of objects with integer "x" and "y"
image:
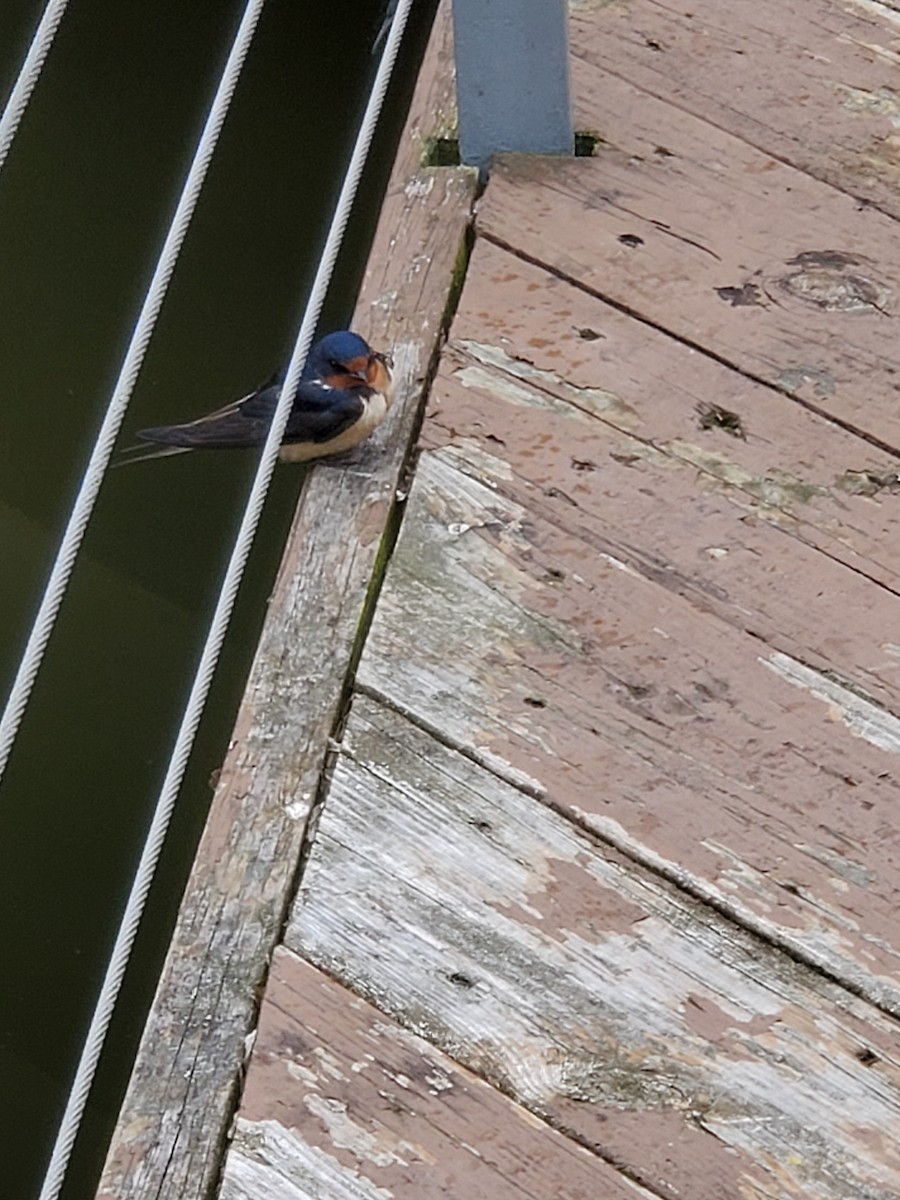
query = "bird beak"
{"x": 378, "y": 374}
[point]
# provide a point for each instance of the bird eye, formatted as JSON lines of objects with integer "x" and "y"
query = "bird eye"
{"x": 337, "y": 367}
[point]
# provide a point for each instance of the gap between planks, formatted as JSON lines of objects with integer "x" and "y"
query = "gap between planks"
{"x": 522, "y": 311}
{"x": 343, "y": 1103}
{"x": 796, "y": 284}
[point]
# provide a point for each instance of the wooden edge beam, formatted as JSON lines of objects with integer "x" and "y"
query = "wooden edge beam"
{"x": 176, "y": 1114}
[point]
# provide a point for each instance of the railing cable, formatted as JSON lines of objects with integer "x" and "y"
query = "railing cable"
{"x": 93, "y": 477}
{"x": 199, "y": 689}
{"x": 29, "y": 74}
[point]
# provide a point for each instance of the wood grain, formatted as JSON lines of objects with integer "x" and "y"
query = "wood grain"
{"x": 522, "y": 327}
{"x": 179, "y": 1101}
{"x": 667, "y": 1039}
{"x": 342, "y": 1103}
{"x": 727, "y": 248}
{"x": 558, "y": 648}
{"x": 812, "y": 83}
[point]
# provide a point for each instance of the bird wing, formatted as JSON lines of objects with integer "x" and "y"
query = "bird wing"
{"x": 142, "y": 452}
{"x": 227, "y": 426}
{"x": 319, "y": 413}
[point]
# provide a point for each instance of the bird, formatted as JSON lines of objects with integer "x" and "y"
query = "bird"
{"x": 344, "y": 394}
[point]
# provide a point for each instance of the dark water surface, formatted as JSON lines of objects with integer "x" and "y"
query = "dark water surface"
{"x": 85, "y": 199}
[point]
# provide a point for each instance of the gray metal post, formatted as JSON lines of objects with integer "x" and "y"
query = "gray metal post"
{"x": 512, "y": 77}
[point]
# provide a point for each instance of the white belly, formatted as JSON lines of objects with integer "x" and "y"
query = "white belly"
{"x": 375, "y": 411}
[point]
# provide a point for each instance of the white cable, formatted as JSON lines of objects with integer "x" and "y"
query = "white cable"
{"x": 103, "y": 447}
{"x": 118, "y": 962}
{"x": 28, "y": 75}
{"x": 74, "y": 533}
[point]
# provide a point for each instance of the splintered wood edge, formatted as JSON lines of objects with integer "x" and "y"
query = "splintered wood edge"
{"x": 173, "y": 1123}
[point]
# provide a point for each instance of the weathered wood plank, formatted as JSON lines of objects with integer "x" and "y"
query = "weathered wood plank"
{"x": 753, "y": 522}
{"x": 662, "y": 1035}
{"x": 721, "y": 547}
{"x": 528, "y": 641}
{"x": 342, "y": 1103}
{"x": 179, "y": 1100}
{"x": 807, "y": 82}
{"x": 837, "y": 488}
{"x": 727, "y": 248}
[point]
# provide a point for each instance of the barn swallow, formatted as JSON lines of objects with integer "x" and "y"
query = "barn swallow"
{"x": 344, "y": 394}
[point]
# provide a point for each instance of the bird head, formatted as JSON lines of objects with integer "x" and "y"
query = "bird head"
{"x": 346, "y": 360}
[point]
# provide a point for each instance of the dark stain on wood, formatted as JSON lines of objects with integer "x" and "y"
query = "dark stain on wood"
{"x": 746, "y": 296}
{"x": 714, "y": 416}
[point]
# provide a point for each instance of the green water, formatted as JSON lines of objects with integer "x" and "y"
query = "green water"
{"x": 85, "y": 199}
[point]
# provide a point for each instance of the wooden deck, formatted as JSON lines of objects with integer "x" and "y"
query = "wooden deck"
{"x": 594, "y": 833}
